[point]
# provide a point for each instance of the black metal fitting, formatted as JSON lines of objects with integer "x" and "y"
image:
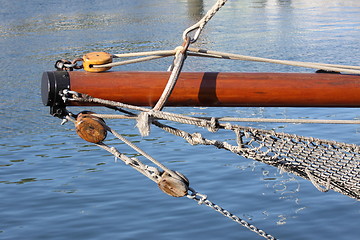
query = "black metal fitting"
{"x": 52, "y": 84}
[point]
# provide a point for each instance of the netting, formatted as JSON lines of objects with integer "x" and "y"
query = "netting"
{"x": 327, "y": 164}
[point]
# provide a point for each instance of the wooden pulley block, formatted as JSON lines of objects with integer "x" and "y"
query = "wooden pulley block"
{"x": 173, "y": 186}
{"x": 90, "y": 128}
{"x": 96, "y": 58}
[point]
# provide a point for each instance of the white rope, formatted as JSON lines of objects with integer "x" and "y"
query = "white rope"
{"x": 113, "y": 64}
{"x": 265, "y": 120}
{"x": 176, "y": 67}
{"x": 151, "y": 55}
{"x": 151, "y": 172}
{"x": 143, "y": 153}
{"x": 148, "y": 53}
{"x": 323, "y": 66}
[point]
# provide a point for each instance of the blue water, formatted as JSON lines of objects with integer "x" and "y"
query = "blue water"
{"x": 53, "y": 185}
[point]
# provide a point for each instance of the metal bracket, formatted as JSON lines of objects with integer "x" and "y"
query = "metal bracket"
{"x": 52, "y": 84}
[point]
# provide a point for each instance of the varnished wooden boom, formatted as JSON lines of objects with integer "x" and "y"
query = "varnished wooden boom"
{"x": 224, "y": 89}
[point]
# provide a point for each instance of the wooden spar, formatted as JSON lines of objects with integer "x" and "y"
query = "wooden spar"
{"x": 214, "y": 89}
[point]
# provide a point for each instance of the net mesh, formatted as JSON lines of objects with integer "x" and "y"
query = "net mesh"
{"x": 327, "y": 164}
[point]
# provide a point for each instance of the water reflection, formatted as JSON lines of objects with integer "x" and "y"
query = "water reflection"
{"x": 195, "y": 9}
{"x": 24, "y": 180}
{"x": 272, "y": 3}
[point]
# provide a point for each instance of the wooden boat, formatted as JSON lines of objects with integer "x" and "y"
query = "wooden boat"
{"x": 210, "y": 89}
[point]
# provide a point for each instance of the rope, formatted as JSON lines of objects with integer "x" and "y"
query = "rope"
{"x": 196, "y": 52}
{"x": 143, "y": 153}
{"x": 264, "y": 120}
{"x": 150, "y": 172}
{"x": 113, "y": 64}
{"x": 180, "y": 57}
{"x": 328, "y": 67}
{"x": 149, "y": 53}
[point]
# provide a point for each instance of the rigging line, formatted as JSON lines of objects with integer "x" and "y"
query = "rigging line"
{"x": 267, "y": 120}
{"x": 330, "y": 67}
{"x": 134, "y": 163}
{"x": 113, "y": 64}
{"x": 222, "y": 55}
{"x": 217, "y": 54}
{"x": 138, "y": 54}
{"x": 151, "y": 56}
{"x": 282, "y": 150}
{"x": 143, "y": 153}
{"x": 179, "y": 60}
{"x": 198, "y": 122}
{"x": 276, "y": 120}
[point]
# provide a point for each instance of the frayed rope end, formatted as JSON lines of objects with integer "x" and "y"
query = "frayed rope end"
{"x": 143, "y": 123}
